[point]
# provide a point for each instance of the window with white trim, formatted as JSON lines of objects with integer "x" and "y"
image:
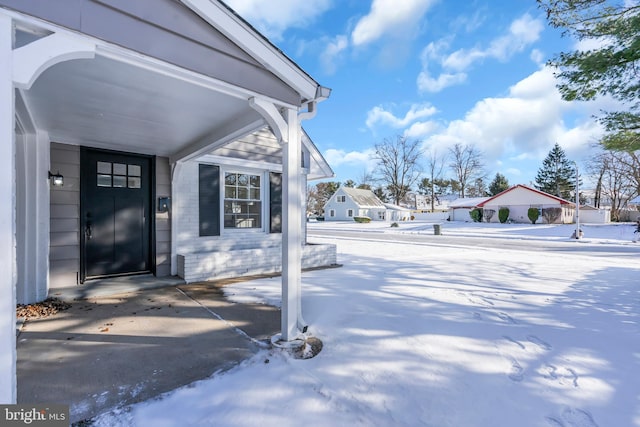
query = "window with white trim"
{"x": 350, "y": 213}
{"x": 242, "y": 200}
{"x": 341, "y": 199}
{"x": 332, "y": 213}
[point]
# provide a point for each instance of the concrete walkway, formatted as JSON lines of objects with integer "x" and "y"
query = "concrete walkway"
{"x": 112, "y": 350}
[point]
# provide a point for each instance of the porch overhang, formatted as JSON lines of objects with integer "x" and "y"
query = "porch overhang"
{"x": 82, "y": 81}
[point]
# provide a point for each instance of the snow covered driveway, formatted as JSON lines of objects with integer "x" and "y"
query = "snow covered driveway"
{"x": 419, "y": 335}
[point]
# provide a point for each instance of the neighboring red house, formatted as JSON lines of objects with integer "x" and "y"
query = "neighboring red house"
{"x": 520, "y": 198}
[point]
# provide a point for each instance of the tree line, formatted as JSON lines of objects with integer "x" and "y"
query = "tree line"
{"x": 404, "y": 170}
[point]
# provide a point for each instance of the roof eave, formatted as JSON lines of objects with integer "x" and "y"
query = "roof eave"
{"x": 233, "y": 26}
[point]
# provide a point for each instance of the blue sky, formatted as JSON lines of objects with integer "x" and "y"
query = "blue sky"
{"x": 438, "y": 71}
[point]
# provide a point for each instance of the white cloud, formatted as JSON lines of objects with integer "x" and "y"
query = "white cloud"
{"x": 514, "y": 171}
{"x": 416, "y": 112}
{"x": 522, "y": 32}
{"x": 389, "y": 17}
{"x": 537, "y": 56}
{"x": 522, "y": 125}
{"x": 426, "y": 83}
{"x": 272, "y": 20}
{"x": 419, "y": 130}
{"x": 354, "y": 159}
{"x": 332, "y": 52}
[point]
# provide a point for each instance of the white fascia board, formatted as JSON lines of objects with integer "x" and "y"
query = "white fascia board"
{"x": 318, "y": 158}
{"x": 243, "y": 163}
{"x": 233, "y": 27}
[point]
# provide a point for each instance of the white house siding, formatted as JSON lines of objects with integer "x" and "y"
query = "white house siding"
{"x": 189, "y": 240}
{"x": 460, "y": 214}
{"x": 520, "y": 213}
{"x": 201, "y": 266}
{"x": 163, "y": 219}
{"x": 342, "y": 209}
{"x": 519, "y": 200}
{"x": 360, "y": 203}
{"x": 64, "y": 246}
{"x": 233, "y": 253}
{"x": 594, "y": 216}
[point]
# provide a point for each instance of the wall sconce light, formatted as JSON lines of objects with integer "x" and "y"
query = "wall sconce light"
{"x": 57, "y": 180}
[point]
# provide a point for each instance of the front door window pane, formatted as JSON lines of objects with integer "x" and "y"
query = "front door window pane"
{"x": 104, "y": 180}
{"x": 134, "y": 182}
{"x": 104, "y": 168}
{"x": 118, "y": 175}
{"x": 119, "y": 181}
{"x": 134, "y": 170}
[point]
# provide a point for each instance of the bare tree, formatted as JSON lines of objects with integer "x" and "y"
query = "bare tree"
{"x": 551, "y": 215}
{"x": 398, "y": 165}
{"x": 435, "y": 165}
{"x": 488, "y": 214}
{"x": 615, "y": 173}
{"x": 467, "y": 165}
{"x": 366, "y": 180}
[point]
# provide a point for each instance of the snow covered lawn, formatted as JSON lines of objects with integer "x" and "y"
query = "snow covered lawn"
{"x": 438, "y": 335}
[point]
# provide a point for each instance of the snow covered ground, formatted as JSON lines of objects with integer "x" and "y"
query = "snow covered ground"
{"x": 441, "y": 335}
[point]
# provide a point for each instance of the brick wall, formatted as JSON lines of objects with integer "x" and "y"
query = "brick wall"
{"x": 195, "y": 267}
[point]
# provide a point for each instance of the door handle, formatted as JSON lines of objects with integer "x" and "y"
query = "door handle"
{"x": 87, "y": 225}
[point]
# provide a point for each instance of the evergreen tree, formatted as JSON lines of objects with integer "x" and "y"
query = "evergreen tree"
{"x": 322, "y": 194}
{"x": 607, "y": 67}
{"x": 381, "y": 194}
{"x": 557, "y": 174}
{"x": 498, "y": 185}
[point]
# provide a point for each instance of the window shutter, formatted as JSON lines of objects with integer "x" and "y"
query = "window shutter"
{"x": 209, "y": 200}
{"x": 275, "y": 202}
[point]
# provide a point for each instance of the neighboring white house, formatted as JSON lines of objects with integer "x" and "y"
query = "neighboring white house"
{"x": 520, "y": 198}
{"x": 591, "y": 215}
{"x": 176, "y": 130}
{"x": 459, "y": 209}
{"x": 397, "y": 213}
{"x": 347, "y": 203}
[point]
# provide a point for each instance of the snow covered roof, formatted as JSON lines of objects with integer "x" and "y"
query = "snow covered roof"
{"x": 526, "y": 188}
{"x": 393, "y": 207}
{"x": 467, "y": 202}
{"x": 363, "y": 198}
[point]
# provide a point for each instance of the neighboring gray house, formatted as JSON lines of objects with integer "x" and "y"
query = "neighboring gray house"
{"x": 347, "y": 203}
{"x": 175, "y": 131}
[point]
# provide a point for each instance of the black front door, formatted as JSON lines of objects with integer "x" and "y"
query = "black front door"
{"x": 115, "y": 217}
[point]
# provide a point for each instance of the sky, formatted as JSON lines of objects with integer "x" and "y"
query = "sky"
{"x": 514, "y": 338}
{"x": 439, "y": 72}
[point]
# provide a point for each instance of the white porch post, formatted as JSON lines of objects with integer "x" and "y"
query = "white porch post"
{"x": 32, "y": 221}
{"x": 286, "y": 127}
{"x": 175, "y": 213}
{"x": 7, "y": 217}
{"x": 291, "y": 227}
